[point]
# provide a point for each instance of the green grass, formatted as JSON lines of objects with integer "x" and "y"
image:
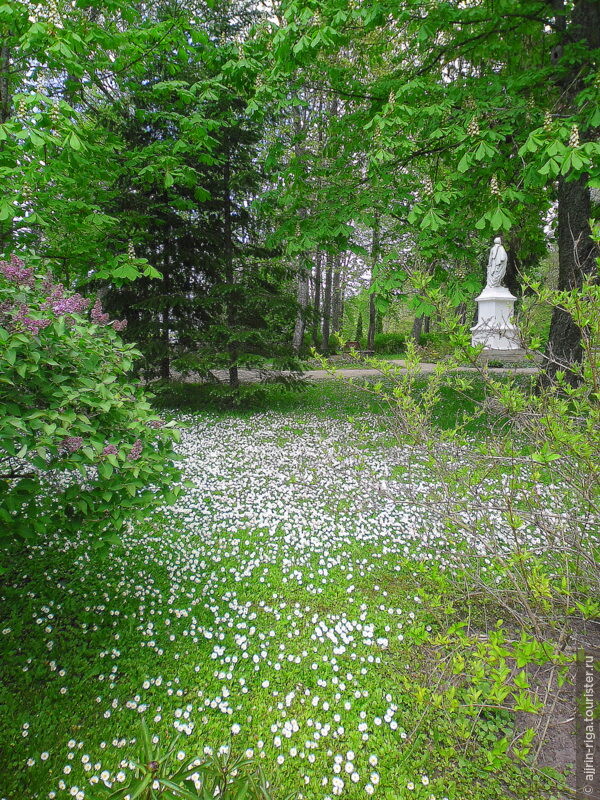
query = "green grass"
{"x": 431, "y": 751}
{"x": 102, "y": 609}
{"x": 336, "y": 398}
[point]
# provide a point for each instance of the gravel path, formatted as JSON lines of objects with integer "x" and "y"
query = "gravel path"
{"x": 255, "y": 375}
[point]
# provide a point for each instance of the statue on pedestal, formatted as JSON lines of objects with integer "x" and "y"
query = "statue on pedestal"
{"x": 495, "y": 328}
{"x": 497, "y": 261}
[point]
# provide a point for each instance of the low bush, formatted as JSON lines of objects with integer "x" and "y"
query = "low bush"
{"x": 390, "y": 343}
{"x": 79, "y": 442}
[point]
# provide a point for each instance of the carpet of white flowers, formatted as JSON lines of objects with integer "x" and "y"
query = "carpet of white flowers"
{"x": 267, "y": 611}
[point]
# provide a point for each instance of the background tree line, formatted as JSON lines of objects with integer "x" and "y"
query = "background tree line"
{"x": 214, "y": 171}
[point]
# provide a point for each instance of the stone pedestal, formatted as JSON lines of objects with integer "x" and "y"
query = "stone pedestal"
{"x": 494, "y": 329}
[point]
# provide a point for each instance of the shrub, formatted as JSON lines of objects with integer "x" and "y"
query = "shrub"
{"x": 359, "y": 328}
{"x": 390, "y": 342}
{"x": 527, "y": 496}
{"x": 78, "y": 441}
{"x": 335, "y": 343}
{"x": 435, "y": 338}
{"x": 519, "y": 507}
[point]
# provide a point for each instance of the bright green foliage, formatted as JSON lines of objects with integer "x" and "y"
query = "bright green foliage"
{"x": 78, "y": 441}
{"x": 529, "y": 492}
{"x": 455, "y": 121}
{"x": 390, "y": 342}
{"x": 359, "y": 328}
{"x": 159, "y": 773}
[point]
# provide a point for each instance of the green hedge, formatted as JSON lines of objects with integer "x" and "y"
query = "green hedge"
{"x": 390, "y": 342}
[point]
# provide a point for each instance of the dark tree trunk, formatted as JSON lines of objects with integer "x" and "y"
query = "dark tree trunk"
{"x": 5, "y": 94}
{"x": 511, "y": 278}
{"x": 426, "y": 324}
{"x": 577, "y": 258}
{"x": 303, "y": 272}
{"x": 165, "y": 363}
{"x": 336, "y": 296}
{"x": 317, "y": 307}
{"x": 5, "y": 106}
{"x": 372, "y": 298}
{"x": 327, "y": 302}
{"x": 576, "y": 250}
{"x": 302, "y": 299}
{"x": 234, "y": 380}
{"x": 417, "y": 329}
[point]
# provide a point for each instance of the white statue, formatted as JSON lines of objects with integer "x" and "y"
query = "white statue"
{"x": 496, "y": 269}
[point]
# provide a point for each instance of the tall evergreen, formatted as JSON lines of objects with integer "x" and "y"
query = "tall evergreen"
{"x": 222, "y": 300}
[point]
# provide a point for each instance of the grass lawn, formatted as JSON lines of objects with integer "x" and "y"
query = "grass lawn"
{"x": 290, "y": 605}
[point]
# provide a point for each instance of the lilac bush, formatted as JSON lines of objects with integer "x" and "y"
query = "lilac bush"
{"x": 79, "y": 442}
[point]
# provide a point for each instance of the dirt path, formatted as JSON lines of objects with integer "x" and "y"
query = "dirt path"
{"x": 255, "y": 375}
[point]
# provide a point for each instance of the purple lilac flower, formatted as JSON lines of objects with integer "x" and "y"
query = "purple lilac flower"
{"x": 119, "y": 324}
{"x": 110, "y": 450}
{"x": 72, "y": 443}
{"x": 55, "y": 291}
{"x": 48, "y": 284}
{"x": 32, "y": 325}
{"x": 69, "y": 305}
{"x": 97, "y": 315}
{"x": 136, "y": 451}
{"x": 156, "y": 423}
{"x": 16, "y": 271}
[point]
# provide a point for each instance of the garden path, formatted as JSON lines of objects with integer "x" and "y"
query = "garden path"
{"x": 255, "y": 375}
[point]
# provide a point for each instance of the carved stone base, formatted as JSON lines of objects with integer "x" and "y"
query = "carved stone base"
{"x": 495, "y": 329}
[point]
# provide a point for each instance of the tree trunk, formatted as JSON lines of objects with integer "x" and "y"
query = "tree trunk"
{"x": 5, "y": 94}
{"x": 511, "y": 278}
{"x": 302, "y": 298}
{"x": 372, "y": 298}
{"x": 576, "y": 250}
{"x": 416, "y": 329}
{"x": 165, "y": 363}
{"x": 5, "y": 107}
{"x": 317, "y": 306}
{"x": 234, "y": 380}
{"x": 426, "y": 324}
{"x": 576, "y": 259}
{"x": 327, "y": 302}
{"x": 336, "y": 296}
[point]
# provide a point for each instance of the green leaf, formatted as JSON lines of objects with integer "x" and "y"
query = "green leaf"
{"x": 10, "y": 356}
{"x": 112, "y": 538}
{"x": 464, "y": 163}
{"x": 105, "y": 470}
{"x": 75, "y": 141}
{"x": 36, "y": 139}
{"x": 545, "y": 457}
